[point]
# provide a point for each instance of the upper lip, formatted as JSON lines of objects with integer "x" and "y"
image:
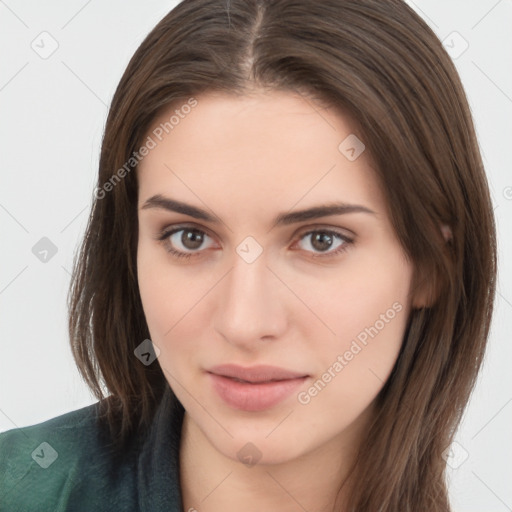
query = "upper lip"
{"x": 260, "y": 373}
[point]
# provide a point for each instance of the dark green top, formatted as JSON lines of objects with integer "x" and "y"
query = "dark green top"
{"x": 68, "y": 464}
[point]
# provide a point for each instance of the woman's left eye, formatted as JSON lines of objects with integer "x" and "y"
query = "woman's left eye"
{"x": 186, "y": 242}
{"x": 327, "y": 242}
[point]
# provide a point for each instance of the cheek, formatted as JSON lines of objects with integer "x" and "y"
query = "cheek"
{"x": 161, "y": 291}
{"x": 363, "y": 292}
{"x": 171, "y": 298}
{"x": 368, "y": 312}
{"x": 152, "y": 287}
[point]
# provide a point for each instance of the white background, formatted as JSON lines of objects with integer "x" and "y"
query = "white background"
{"x": 52, "y": 116}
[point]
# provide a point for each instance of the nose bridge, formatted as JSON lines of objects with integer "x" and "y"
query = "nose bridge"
{"x": 247, "y": 284}
{"x": 248, "y": 307}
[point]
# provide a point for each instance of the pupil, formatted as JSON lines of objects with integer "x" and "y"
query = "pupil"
{"x": 321, "y": 241}
{"x": 192, "y": 239}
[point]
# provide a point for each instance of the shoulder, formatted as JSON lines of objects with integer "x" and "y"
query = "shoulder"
{"x": 44, "y": 466}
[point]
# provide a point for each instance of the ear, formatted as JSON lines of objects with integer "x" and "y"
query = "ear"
{"x": 447, "y": 232}
{"x": 427, "y": 291}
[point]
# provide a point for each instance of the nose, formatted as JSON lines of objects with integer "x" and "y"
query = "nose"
{"x": 250, "y": 304}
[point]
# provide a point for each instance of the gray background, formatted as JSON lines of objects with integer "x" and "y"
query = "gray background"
{"x": 53, "y": 110}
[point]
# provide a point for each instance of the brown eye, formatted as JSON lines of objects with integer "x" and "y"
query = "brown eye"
{"x": 322, "y": 242}
{"x": 191, "y": 238}
{"x": 185, "y": 242}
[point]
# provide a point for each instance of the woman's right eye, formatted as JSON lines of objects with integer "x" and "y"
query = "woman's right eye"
{"x": 184, "y": 242}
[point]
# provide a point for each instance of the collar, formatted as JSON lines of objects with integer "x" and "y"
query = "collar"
{"x": 158, "y": 467}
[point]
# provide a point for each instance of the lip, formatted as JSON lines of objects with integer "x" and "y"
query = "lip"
{"x": 258, "y": 387}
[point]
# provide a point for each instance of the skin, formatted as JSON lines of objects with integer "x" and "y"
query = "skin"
{"x": 246, "y": 159}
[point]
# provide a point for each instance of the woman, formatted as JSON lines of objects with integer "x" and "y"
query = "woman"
{"x": 284, "y": 293}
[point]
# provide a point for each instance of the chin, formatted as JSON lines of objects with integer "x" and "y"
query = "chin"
{"x": 250, "y": 449}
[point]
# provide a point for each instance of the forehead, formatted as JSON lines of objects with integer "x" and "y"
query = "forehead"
{"x": 256, "y": 149}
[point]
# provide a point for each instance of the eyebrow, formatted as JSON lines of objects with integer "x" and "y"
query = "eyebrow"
{"x": 172, "y": 205}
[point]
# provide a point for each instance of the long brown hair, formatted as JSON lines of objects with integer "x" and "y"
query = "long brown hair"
{"x": 379, "y": 61}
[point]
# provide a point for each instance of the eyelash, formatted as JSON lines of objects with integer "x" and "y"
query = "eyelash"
{"x": 165, "y": 234}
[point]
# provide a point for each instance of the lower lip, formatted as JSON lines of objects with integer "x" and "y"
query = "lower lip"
{"x": 254, "y": 397}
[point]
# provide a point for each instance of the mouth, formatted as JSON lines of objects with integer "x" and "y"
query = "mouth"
{"x": 255, "y": 374}
{"x": 254, "y": 388}
{"x": 252, "y": 381}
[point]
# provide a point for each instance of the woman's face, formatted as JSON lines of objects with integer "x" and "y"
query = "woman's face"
{"x": 321, "y": 296}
